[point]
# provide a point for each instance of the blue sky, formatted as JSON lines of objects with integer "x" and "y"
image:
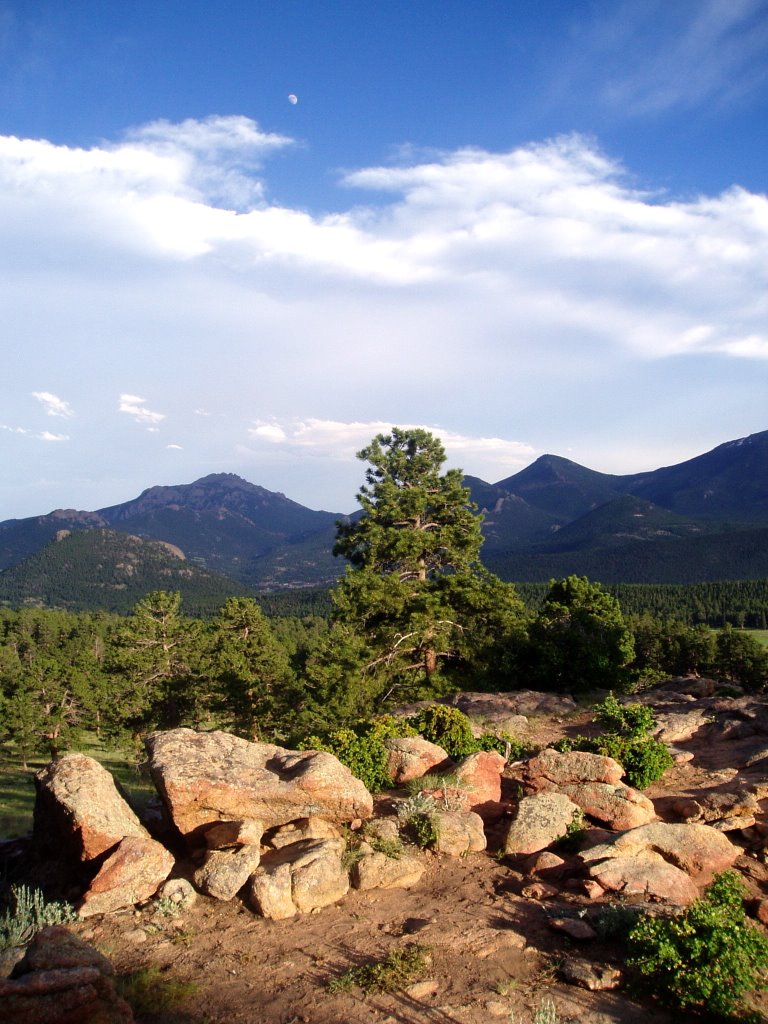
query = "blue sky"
{"x": 531, "y": 226}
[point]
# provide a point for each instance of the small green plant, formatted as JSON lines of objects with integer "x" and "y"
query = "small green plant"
{"x": 615, "y": 921}
{"x": 401, "y": 966}
{"x": 546, "y": 1012}
{"x": 443, "y": 788}
{"x": 418, "y": 815}
{"x": 30, "y": 913}
{"x": 392, "y": 848}
{"x": 631, "y": 720}
{"x": 709, "y": 957}
{"x": 570, "y": 842}
{"x": 149, "y": 992}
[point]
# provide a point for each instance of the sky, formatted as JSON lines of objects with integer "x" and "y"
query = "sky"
{"x": 246, "y": 236}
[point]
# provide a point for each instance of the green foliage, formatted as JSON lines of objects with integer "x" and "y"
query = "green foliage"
{"x": 401, "y": 966}
{"x": 448, "y": 727}
{"x": 30, "y": 913}
{"x": 361, "y": 748}
{"x": 570, "y": 842}
{"x": 631, "y": 720}
{"x": 415, "y": 604}
{"x": 708, "y": 957}
{"x": 418, "y": 815}
{"x": 643, "y": 758}
{"x": 579, "y": 640}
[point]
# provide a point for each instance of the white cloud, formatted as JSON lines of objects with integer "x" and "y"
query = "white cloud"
{"x": 53, "y": 405}
{"x": 136, "y": 407}
{"x": 46, "y": 435}
{"x": 338, "y": 441}
{"x": 175, "y": 447}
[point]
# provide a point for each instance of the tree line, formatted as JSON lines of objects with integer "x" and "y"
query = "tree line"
{"x": 415, "y": 616}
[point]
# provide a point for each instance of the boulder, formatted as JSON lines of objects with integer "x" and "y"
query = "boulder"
{"x": 62, "y": 980}
{"x": 553, "y": 768}
{"x": 664, "y": 861}
{"x": 617, "y": 806}
{"x": 226, "y": 834}
{"x": 479, "y": 779}
{"x": 541, "y": 820}
{"x": 679, "y": 726}
{"x": 377, "y": 871}
{"x": 459, "y": 833}
{"x": 224, "y": 872}
{"x": 205, "y": 777}
{"x": 299, "y": 878}
{"x": 131, "y": 873}
{"x": 492, "y": 712}
{"x": 410, "y": 757}
{"x": 79, "y": 812}
{"x": 296, "y": 831}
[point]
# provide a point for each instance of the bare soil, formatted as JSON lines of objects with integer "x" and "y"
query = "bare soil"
{"x": 492, "y": 953}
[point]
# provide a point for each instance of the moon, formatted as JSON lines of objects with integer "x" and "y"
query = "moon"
{"x": 293, "y": 98}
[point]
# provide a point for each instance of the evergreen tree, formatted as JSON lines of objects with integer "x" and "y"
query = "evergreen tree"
{"x": 256, "y": 688}
{"x": 579, "y": 640}
{"x": 415, "y": 602}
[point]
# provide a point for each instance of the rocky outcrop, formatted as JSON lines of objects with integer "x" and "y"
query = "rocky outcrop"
{"x": 206, "y": 777}
{"x": 459, "y": 833}
{"x": 62, "y": 980}
{"x": 79, "y": 812}
{"x": 551, "y": 768}
{"x": 661, "y": 861}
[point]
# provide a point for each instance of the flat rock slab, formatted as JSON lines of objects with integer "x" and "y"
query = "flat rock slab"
{"x": 550, "y": 766}
{"x": 377, "y": 871}
{"x": 79, "y": 811}
{"x": 206, "y": 777}
{"x": 618, "y": 806}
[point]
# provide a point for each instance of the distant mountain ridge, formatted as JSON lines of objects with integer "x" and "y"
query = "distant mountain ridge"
{"x": 703, "y": 519}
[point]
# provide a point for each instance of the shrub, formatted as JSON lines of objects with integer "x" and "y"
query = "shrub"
{"x": 448, "y": 727}
{"x": 631, "y": 720}
{"x": 401, "y": 966}
{"x": 626, "y": 740}
{"x": 710, "y": 956}
{"x": 362, "y": 749}
{"x": 30, "y": 914}
{"x": 419, "y": 816}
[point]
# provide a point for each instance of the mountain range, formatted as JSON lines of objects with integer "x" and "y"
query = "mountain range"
{"x": 702, "y": 519}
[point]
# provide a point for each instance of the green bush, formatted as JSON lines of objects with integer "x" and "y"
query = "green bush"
{"x": 419, "y": 817}
{"x": 631, "y": 720}
{"x": 626, "y": 740}
{"x": 362, "y": 749}
{"x": 30, "y": 913}
{"x": 708, "y": 957}
{"x": 400, "y": 967}
{"x": 448, "y": 727}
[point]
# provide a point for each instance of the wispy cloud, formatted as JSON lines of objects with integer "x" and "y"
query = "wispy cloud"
{"x": 46, "y": 435}
{"x": 134, "y": 406}
{"x": 654, "y": 57}
{"x": 53, "y": 405}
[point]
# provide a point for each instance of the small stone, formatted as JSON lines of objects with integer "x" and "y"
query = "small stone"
{"x": 574, "y": 927}
{"x": 595, "y": 977}
{"x": 422, "y": 989}
{"x": 539, "y": 891}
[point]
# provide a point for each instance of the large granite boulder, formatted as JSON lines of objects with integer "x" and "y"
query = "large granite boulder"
{"x": 551, "y": 769}
{"x": 206, "y": 777}
{"x": 459, "y": 833}
{"x": 79, "y": 812}
{"x": 479, "y": 778}
{"x": 541, "y": 820}
{"x": 662, "y": 861}
{"x": 375, "y": 870}
{"x": 618, "y": 807}
{"x": 224, "y": 872}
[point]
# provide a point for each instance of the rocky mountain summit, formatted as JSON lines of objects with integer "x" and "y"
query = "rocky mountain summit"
{"x": 261, "y": 873}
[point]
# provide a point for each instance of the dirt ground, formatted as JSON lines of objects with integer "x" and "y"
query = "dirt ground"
{"x": 492, "y": 954}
